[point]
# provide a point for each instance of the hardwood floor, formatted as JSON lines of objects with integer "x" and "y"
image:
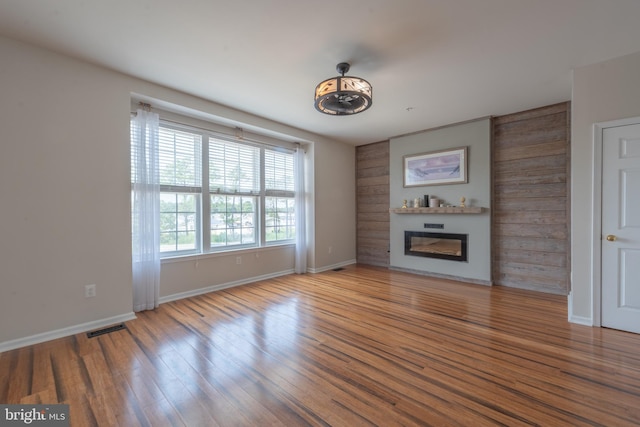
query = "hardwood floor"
{"x": 362, "y": 346}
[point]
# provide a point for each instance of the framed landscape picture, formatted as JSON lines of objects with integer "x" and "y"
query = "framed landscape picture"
{"x": 435, "y": 168}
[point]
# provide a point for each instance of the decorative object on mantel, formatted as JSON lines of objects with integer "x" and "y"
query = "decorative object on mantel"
{"x": 416, "y": 202}
{"x": 435, "y": 168}
{"x": 434, "y": 202}
{"x": 426, "y": 200}
{"x": 404, "y": 204}
{"x": 341, "y": 96}
{"x": 444, "y": 210}
{"x": 462, "y": 200}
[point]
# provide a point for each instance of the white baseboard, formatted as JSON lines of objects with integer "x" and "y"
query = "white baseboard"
{"x": 65, "y": 332}
{"x": 572, "y": 318}
{"x": 331, "y": 267}
{"x": 579, "y": 320}
{"x": 195, "y": 292}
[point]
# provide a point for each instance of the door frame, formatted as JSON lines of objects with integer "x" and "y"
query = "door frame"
{"x": 596, "y": 231}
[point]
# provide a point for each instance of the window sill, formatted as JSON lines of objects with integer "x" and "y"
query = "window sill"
{"x": 229, "y": 252}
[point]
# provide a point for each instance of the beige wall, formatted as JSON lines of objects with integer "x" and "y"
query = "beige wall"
{"x": 64, "y": 192}
{"x": 64, "y": 187}
{"x": 601, "y": 92}
{"x": 335, "y": 206}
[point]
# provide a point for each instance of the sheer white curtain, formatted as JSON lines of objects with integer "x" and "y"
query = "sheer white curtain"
{"x": 301, "y": 215}
{"x": 145, "y": 210}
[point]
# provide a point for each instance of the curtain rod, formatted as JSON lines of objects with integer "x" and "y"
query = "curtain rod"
{"x": 238, "y": 132}
{"x": 145, "y": 106}
{"x": 238, "y": 135}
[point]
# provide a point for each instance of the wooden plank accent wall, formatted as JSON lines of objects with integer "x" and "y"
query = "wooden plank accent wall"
{"x": 530, "y": 207}
{"x": 531, "y": 199}
{"x": 372, "y": 206}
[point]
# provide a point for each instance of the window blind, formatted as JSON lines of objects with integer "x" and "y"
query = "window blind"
{"x": 180, "y": 158}
{"x": 278, "y": 171}
{"x": 233, "y": 168}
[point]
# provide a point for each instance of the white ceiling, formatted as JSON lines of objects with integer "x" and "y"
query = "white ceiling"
{"x": 431, "y": 62}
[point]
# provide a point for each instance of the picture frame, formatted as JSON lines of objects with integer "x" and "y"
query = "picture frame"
{"x": 435, "y": 168}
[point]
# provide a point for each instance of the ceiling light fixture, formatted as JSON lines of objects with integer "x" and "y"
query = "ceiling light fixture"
{"x": 341, "y": 96}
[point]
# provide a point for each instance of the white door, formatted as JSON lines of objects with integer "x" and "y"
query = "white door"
{"x": 621, "y": 228}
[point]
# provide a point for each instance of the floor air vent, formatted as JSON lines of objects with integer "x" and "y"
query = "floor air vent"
{"x": 108, "y": 330}
{"x": 338, "y": 269}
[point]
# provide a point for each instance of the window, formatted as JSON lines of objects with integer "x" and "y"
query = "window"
{"x": 180, "y": 169}
{"x": 217, "y": 194}
{"x": 234, "y": 184}
{"x": 279, "y": 197}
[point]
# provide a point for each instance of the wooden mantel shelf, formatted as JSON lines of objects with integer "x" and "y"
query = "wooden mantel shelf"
{"x": 449, "y": 210}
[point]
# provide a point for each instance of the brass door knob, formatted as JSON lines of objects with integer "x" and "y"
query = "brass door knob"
{"x": 611, "y": 238}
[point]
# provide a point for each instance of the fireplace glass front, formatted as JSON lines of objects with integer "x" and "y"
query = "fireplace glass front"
{"x": 436, "y": 245}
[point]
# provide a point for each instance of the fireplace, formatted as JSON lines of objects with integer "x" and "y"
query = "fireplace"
{"x": 436, "y": 245}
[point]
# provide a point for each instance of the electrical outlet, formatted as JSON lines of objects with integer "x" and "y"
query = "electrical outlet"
{"x": 89, "y": 291}
{"x": 238, "y": 260}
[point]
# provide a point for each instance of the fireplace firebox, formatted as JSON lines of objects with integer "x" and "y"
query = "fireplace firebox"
{"x": 436, "y": 245}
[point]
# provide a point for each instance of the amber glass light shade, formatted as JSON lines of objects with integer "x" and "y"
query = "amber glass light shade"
{"x": 343, "y": 95}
